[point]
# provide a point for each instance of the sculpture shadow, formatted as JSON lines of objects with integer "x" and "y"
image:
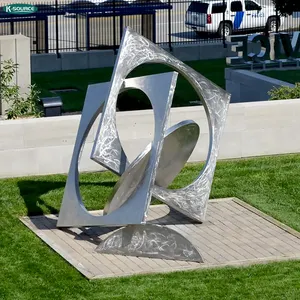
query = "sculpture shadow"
{"x": 32, "y": 191}
{"x": 94, "y": 235}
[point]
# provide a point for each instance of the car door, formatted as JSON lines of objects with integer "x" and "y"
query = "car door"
{"x": 237, "y": 14}
{"x": 254, "y": 17}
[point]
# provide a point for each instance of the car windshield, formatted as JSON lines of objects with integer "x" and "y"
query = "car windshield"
{"x": 198, "y": 7}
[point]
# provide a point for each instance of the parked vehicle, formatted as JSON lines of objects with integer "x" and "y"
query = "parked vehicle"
{"x": 226, "y": 17}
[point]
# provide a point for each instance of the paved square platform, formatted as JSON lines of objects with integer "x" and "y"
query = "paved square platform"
{"x": 234, "y": 234}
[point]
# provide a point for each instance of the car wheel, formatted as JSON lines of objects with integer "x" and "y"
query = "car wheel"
{"x": 272, "y": 24}
{"x": 225, "y": 30}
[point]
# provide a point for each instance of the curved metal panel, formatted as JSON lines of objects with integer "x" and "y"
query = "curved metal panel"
{"x": 133, "y": 211}
{"x": 150, "y": 241}
{"x": 179, "y": 143}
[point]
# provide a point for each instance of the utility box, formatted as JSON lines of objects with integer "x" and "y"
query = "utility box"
{"x": 52, "y": 106}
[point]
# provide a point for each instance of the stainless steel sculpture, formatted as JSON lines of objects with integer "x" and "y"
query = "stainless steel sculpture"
{"x": 155, "y": 168}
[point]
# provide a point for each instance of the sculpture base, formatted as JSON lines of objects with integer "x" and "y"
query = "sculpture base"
{"x": 233, "y": 234}
{"x": 151, "y": 241}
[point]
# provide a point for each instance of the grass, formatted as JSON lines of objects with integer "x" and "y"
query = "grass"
{"x": 291, "y": 76}
{"x": 80, "y": 79}
{"x": 31, "y": 270}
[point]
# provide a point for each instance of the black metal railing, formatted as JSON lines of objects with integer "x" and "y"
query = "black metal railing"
{"x": 60, "y": 26}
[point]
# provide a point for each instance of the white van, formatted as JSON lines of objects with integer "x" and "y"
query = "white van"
{"x": 208, "y": 16}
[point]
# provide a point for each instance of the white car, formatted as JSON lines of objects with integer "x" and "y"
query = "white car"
{"x": 208, "y": 16}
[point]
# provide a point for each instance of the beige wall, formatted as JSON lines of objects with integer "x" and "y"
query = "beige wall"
{"x": 45, "y": 145}
{"x": 17, "y": 48}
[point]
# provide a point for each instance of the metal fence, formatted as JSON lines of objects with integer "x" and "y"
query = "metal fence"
{"x": 59, "y": 26}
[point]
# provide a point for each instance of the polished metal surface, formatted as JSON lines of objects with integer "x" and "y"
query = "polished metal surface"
{"x": 150, "y": 241}
{"x": 72, "y": 212}
{"x": 131, "y": 198}
{"x": 179, "y": 143}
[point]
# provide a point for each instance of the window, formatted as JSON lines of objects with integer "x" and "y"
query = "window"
{"x": 236, "y": 6}
{"x": 250, "y": 5}
{"x": 198, "y": 7}
{"x": 218, "y": 8}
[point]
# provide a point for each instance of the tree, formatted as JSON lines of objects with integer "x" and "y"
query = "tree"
{"x": 287, "y": 7}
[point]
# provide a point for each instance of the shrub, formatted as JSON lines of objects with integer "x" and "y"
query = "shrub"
{"x": 19, "y": 105}
{"x": 285, "y": 92}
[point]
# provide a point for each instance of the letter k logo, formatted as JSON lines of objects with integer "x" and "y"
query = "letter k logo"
{"x": 8, "y": 9}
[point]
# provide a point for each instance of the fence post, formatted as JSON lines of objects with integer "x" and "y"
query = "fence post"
{"x": 46, "y": 35}
{"x": 114, "y": 26}
{"x": 12, "y": 27}
{"x": 121, "y": 26}
{"x": 154, "y": 27}
{"x": 223, "y": 24}
{"x": 169, "y": 25}
{"x": 36, "y": 36}
{"x": 88, "y": 30}
{"x": 76, "y": 33}
{"x": 56, "y": 28}
{"x": 277, "y": 23}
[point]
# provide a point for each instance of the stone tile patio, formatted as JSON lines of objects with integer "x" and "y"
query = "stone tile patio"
{"x": 234, "y": 234}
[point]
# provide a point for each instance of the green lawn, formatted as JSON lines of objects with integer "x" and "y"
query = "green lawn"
{"x": 80, "y": 79}
{"x": 291, "y": 76}
{"x": 31, "y": 270}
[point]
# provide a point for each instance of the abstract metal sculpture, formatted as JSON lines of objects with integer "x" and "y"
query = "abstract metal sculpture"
{"x": 155, "y": 168}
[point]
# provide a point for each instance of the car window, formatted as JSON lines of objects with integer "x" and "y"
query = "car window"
{"x": 236, "y": 6}
{"x": 198, "y": 7}
{"x": 218, "y": 8}
{"x": 250, "y": 5}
